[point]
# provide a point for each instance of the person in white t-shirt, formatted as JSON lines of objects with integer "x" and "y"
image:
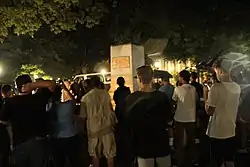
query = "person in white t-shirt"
{"x": 185, "y": 118}
{"x": 222, "y": 107}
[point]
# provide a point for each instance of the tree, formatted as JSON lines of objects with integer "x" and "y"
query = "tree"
{"x": 35, "y": 71}
{"x": 28, "y": 16}
{"x": 196, "y": 30}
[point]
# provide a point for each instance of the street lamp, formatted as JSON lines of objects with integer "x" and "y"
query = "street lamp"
{"x": 1, "y": 70}
{"x": 103, "y": 71}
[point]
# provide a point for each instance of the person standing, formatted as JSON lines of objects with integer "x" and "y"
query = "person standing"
{"x": 222, "y": 107}
{"x": 97, "y": 111}
{"x": 87, "y": 85}
{"x": 197, "y": 85}
{"x": 5, "y": 138}
{"x": 185, "y": 118}
{"x": 148, "y": 113}
{"x": 26, "y": 113}
{"x": 120, "y": 95}
{"x": 66, "y": 141}
{"x": 167, "y": 88}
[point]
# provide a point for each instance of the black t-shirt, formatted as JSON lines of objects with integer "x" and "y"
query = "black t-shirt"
{"x": 4, "y": 135}
{"x": 199, "y": 89}
{"x": 27, "y": 116}
{"x": 148, "y": 115}
{"x": 120, "y": 95}
{"x": 244, "y": 106}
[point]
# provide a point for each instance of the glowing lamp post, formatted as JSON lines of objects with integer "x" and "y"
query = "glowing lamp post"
{"x": 103, "y": 71}
{"x": 1, "y": 70}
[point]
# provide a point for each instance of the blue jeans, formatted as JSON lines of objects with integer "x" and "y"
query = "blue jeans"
{"x": 31, "y": 153}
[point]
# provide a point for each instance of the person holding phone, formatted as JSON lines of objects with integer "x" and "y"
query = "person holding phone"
{"x": 66, "y": 142}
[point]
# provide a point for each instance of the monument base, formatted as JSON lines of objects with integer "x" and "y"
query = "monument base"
{"x": 125, "y": 59}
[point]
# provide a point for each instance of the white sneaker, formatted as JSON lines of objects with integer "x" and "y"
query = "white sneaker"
{"x": 197, "y": 141}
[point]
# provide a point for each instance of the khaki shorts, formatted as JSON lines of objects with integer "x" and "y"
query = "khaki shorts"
{"x": 102, "y": 146}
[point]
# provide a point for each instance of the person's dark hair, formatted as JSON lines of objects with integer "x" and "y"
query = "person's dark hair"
{"x": 102, "y": 85}
{"x": 166, "y": 79}
{"x": 185, "y": 75}
{"x": 57, "y": 93}
{"x": 39, "y": 79}
{"x": 120, "y": 81}
{"x": 156, "y": 86}
{"x": 145, "y": 74}
{"x": 5, "y": 89}
{"x": 86, "y": 82}
{"x": 194, "y": 75}
{"x": 96, "y": 81}
{"x": 22, "y": 80}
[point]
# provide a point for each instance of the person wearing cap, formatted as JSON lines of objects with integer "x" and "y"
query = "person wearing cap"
{"x": 148, "y": 113}
{"x": 222, "y": 107}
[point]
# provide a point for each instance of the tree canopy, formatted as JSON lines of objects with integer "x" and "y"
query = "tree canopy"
{"x": 35, "y": 71}
{"x": 28, "y": 16}
{"x": 193, "y": 29}
{"x": 72, "y": 35}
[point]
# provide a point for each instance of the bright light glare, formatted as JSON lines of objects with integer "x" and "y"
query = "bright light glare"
{"x": 157, "y": 65}
{"x": 103, "y": 71}
{"x": 1, "y": 70}
{"x": 36, "y": 76}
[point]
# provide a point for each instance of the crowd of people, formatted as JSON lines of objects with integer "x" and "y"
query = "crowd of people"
{"x": 155, "y": 126}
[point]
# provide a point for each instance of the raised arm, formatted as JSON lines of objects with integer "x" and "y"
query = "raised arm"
{"x": 29, "y": 87}
{"x": 68, "y": 92}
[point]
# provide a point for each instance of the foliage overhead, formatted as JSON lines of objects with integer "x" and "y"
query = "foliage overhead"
{"x": 28, "y": 16}
{"x": 34, "y": 71}
{"x": 198, "y": 30}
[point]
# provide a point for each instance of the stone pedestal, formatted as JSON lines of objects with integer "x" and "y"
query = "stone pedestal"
{"x": 125, "y": 59}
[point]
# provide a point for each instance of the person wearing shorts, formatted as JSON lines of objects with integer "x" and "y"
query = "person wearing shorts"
{"x": 100, "y": 118}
